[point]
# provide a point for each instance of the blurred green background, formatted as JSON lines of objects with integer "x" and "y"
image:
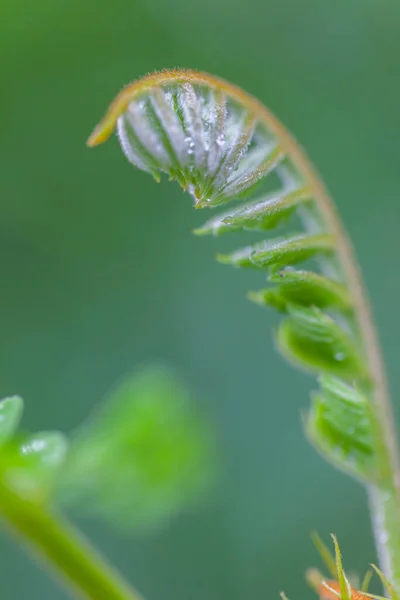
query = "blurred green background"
{"x": 100, "y": 272}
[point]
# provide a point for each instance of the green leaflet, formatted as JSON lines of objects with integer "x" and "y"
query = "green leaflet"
{"x": 279, "y": 253}
{"x": 386, "y": 584}
{"x": 261, "y": 214}
{"x": 305, "y": 288}
{"x": 246, "y": 177}
{"x": 269, "y": 297}
{"x": 294, "y": 250}
{"x": 325, "y": 554}
{"x": 340, "y": 425}
{"x": 10, "y": 415}
{"x": 312, "y": 289}
{"x": 267, "y": 214}
{"x": 345, "y": 587}
{"x": 313, "y": 340}
{"x": 143, "y": 457}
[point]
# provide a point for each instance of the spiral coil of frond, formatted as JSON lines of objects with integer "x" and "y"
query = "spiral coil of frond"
{"x": 220, "y": 145}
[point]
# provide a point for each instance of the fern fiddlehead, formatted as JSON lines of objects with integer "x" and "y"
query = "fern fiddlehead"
{"x": 221, "y": 144}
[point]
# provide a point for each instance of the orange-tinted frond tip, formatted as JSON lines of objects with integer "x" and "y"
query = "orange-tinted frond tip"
{"x": 330, "y": 590}
{"x": 99, "y": 135}
{"x": 106, "y": 126}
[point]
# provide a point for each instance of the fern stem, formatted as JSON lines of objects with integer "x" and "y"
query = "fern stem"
{"x": 62, "y": 549}
{"x": 384, "y": 497}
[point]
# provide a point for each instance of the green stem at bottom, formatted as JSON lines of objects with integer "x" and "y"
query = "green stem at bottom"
{"x": 385, "y": 514}
{"x": 59, "y": 546}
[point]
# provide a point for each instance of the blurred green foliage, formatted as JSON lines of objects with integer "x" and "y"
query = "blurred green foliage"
{"x": 30, "y": 464}
{"x": 100, "y": 272}
{"x": 143, "y": 457}
{"x": 138, "y": 461}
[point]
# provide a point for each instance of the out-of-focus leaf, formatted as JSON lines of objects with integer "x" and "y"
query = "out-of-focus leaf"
{"x": 143, "y": 457}
{"x": 32, "y": 465}
{"x": 10, "y": 414}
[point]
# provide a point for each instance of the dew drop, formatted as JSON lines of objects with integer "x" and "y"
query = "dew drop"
{"x": 383, "y": 537}
{"x": 168, "y": 97}
{"x": 33, "y": 446}
{"x": 339, "y": 356}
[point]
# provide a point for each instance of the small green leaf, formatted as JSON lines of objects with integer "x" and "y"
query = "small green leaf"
{"x": 280, "y": 253}
{"x": 231, "y": 160}
{"x": 135, "y": 150}
{"x": 33, "y": 464}
{"x": 216, "y": 225}
{"x": 294, "y": 250}
{"x": 243, "y": 256}
{"x": 267, "y": 214}
{"x": 304, "y": 288}
{"x": 143, "y": 457}
{"x": 386, "y": 583}
{"x": 348, "y": 411}
{"x": 345, "y": 588}
{"x": 325, "y": 554}
{"x": 269, "y": 297}
{"x": 340, "y": 425}
{"x": 254, "y": 166}
{"x": 313, "y": 340}
{"x": 311, "y": 289}
{"x": 261, "y": 214}
{"x": 10, "y": 415}
{"x": 366, "y": 581}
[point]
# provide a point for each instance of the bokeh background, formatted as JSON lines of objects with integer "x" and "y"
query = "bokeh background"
{"x": 100, "y": 273}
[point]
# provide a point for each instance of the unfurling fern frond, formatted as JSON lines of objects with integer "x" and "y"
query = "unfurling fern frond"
{"x": 221, "y": 144}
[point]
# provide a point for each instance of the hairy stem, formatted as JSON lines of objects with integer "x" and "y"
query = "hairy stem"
{"x": 385, "y": 495}
{"x": 62, "y": 549}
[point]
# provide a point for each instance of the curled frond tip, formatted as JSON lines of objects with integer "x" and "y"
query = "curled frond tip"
{"x": 221, "y": 144}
